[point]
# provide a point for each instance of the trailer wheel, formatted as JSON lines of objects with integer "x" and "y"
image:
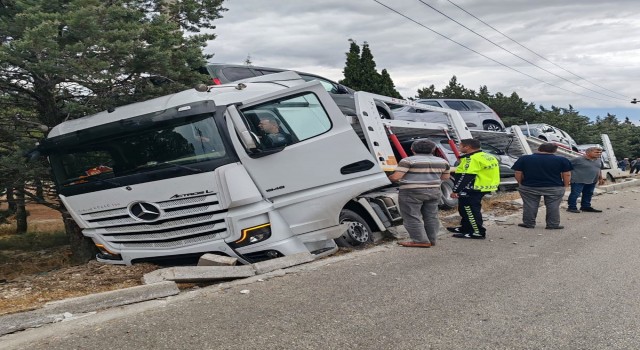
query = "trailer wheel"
{"x": 447, "y": 190}
{"x": 358, "y": 234}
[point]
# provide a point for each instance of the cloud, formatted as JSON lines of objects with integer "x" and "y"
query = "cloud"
{"x": 596, "y": 40}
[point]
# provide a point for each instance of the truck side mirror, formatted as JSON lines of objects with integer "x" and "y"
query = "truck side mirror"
{"x": 244, "y": 134}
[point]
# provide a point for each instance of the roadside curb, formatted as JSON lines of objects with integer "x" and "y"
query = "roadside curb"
{"x": 72, "y": 308}
{"x": 628, "y": 182}
{"x": 65, "y": 309}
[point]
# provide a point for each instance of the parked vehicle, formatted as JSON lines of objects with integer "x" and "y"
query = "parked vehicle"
{"x": 548, "y": 133}
{"x": 343, "y": 96}
{"x": 476, "y": 114}
{"x": 416, "y": 114}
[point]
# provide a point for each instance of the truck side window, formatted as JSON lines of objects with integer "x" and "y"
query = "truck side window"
{"x": 287, "y": 121}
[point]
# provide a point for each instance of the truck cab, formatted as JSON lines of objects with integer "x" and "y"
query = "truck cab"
{"x": 192, "y": 173}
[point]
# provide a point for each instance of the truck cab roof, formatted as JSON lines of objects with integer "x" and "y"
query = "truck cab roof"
{"x": 220, "y": 95}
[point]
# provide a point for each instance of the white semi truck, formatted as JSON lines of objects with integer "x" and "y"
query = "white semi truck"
{"x": 191, "y": 173}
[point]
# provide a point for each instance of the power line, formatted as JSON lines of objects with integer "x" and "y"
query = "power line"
{"x": 520, "y": 57}
{"x": 485, "y": 56}
{"x": 533, "y": 52}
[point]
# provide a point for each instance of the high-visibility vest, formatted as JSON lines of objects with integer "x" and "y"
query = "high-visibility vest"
{"x": 485, "y": 167}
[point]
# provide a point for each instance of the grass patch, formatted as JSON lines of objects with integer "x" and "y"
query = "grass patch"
{"x": 33, "y": 241}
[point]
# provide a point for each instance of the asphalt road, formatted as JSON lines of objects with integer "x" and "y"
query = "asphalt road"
{"x": 577, "y": 288}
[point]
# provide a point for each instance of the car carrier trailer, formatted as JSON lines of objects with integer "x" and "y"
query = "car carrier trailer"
{"x": 190, "y": 173}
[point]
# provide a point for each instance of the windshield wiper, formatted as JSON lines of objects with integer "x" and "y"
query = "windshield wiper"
{"x": 158, "y": 164}
{"x": 87, "y": 179}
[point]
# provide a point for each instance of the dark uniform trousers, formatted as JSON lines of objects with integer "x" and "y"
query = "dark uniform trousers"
{"x": 469, "y": 208}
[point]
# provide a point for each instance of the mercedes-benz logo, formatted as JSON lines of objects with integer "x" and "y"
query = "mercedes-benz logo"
{"x": 144, "y": 211}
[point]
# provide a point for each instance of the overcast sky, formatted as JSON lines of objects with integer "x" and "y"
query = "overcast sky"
{"x": 597, "y": 41}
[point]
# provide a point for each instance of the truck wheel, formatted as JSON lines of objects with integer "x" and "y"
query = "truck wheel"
{"x": 542, "y": 138}
{"x": 358, "y": 233}
{"x": 447, "y": 190}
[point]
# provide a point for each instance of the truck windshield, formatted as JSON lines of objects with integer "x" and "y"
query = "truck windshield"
{"x": 177, "y": 144}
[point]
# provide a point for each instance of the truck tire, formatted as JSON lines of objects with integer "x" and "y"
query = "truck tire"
{"x": 358, "y": 234}
{"x": 447, "y": 201}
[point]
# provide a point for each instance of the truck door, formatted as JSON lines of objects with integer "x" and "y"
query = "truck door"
{"x": 302, "y": 142}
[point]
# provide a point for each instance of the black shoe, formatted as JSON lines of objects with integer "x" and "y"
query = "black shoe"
{"x": 591, "y": 210}
{"x": 470, "y": 235}
{"x": 573, "y": 210}
{"x": 454, "y": 229}
{"x": 554, "y": 227}
{"x": 526, "y": 226}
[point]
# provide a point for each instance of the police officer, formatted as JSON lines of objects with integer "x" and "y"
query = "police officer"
{"x": 477, "y": 174}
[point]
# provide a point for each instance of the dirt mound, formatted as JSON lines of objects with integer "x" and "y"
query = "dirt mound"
{"x": 29, "y": 278}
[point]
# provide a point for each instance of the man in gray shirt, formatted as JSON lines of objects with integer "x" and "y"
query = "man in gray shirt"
{"x": 586, "y": 173}
{"x": 420, "y": 177}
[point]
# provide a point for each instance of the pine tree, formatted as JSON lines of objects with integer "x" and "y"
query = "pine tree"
{"x": 360, "y": 72}
{"x": 352, "y": 67}
{"x": 388, "y": 88}
{"x": 428, "y": 92}
{"x": 371, "y": 79}
{"x": 62, "y": 60}
{"x": 457, "y": 90}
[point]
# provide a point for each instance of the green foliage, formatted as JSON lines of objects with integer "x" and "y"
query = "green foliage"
{"x": 33, "y": 241}
{"x": 66, "y": 59}
{"x": 387, "y": 87}
{"x": 360, "y": 72}
{"x": 513, "y": 110}
{"x": 352, "y": 68}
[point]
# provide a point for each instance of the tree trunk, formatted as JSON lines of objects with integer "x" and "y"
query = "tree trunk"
{"x": 39, "y": 189}
{"x": 21, "y": 210}
{"x": 82, "y": 248}
{"x": 11, "y": 200}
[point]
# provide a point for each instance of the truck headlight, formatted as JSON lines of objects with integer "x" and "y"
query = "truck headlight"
{"x": 253, "y": 235}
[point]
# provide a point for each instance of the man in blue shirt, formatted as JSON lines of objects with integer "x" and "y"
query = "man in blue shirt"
{"x": 546, "y": 175}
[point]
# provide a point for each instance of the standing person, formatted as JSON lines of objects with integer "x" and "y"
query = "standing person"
{"x": 477, "y": 174}
{"x": 586, "y": 173}
{"x": 635, "y": 166}
{"x": 623, "y": 164}
{"x": 546, "y": 175}
{"x": 420, "y": 177}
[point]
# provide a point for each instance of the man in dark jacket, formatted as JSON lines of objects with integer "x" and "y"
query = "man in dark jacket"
{"x": 546, "y": 175}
